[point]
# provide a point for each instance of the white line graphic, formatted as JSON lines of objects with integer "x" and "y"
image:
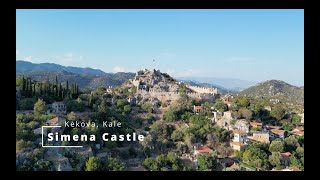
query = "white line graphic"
{"x": 53, "y": 146}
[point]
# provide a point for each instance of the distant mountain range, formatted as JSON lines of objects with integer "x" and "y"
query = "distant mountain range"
{"x": 88, "y": 78}
{"x": 24, "y": 66}
{"x": 221, "y": 89}
{"x": 276, "y": 89}
{"x": 85, "y": 81}
{"x": 234, "y": 85}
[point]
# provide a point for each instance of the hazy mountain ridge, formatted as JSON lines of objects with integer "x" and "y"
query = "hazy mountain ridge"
{"x": 276, "y": 89}
{"x": 230, "y": 84}
{"x": 24, "y": 67}
{"x": 85, "y": 81}
{"x": 221, "y": 89}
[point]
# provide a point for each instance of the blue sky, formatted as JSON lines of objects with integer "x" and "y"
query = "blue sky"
{"x": 255, "y": 45}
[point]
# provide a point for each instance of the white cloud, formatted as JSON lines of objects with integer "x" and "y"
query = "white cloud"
{"x": 118, "y": 69}
{"x": 29, "y": 58}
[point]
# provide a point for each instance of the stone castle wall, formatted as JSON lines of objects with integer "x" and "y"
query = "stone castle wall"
{"x": 203, "y": 89}
{"x": 175, "y": 95}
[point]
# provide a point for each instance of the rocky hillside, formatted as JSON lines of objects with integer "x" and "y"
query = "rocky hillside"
{"x": 275, "y": 89}
{"x": 157, "y": 81}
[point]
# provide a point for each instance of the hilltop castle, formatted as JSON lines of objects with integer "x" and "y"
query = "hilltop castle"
{"x": 154, "y": 84}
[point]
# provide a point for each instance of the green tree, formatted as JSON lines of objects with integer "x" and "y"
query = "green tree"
{"x": 151, "y": 164}
{"x": 21, "y": 144}
{"x": 121, "y": 103}
{"x": 296, "y": 119}
{"x": 256, "y": 157}
{"x": 206, "y": 162}
{"x": 93, "y": 164}
{"x": 103, "y": 107}
{"x": 220, "y": 106}
{"x": 246, "y": 113}
{"x": 276, "y": 146}
{"x": 114, "y": 164}
{"x": 39, "y": 107}
{"x": 295, "y": 162}
{"x": 27, "y": 103}
{"x": 71, "y": 116}
{"x": 170, "y": 115}
{"x": 161, "y": 160}
{"x": 278, "y": 112}
{"x": 291, "y": 143}
{"x": 127, "y": 108}
{"x": 147, "y": 107}
{"x": 274, "y": 159}
{"x": 243, "y": 102}
{"x": 56, "y": 88}
{"x": 300, "y": 151}
{"x": 177, "y": 135}
{"x": 172, "y": 158}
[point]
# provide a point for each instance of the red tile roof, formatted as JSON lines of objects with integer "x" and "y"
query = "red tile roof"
{"x": 278, "y": 131}
{"x": 286, "y": 154}
{"x": 198, "y": 107}
{"x": 237, "y": 131}
{"x": 255, "y": 124}
{"x": 298, "y": 129}
{"x": 204, "y": 149}
{"x": 55, "y": 120}
{"x": 299, "y": 133}
{"x": 227, "y": 102}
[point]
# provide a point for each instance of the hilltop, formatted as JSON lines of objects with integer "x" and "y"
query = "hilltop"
{"x": 276, "y": 89}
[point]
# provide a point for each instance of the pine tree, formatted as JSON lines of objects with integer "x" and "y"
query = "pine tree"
{"x": 30, "y": 88}
{"x": 90, "y": 103}
{"x": 23, "y": 85}
{"x": 34, "y": 88}
{"x": 77, "y": 89}
{"x": 57, "y": 92}
{"x": 26, "y": 88}
{"x": 67, "y": 85}
{"x": 40, "y": 88}
{"x": 60, "y": 91}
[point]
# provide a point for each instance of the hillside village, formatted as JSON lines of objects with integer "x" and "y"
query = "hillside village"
{"x": 185, "y": 127}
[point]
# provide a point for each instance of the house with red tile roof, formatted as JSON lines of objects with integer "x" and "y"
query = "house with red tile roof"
{"x": 298, "y": 131}
{"x": 198, "y": 150}
{"x": 278, "y": 133}
{"x": 228, "y": 103}
{"x": 197, "y": 109}
{"x": 56, "y": 121}
{"x": 255, "y": 124}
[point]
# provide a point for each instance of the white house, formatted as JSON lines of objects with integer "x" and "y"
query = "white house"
{"x": 57, "y": 107}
